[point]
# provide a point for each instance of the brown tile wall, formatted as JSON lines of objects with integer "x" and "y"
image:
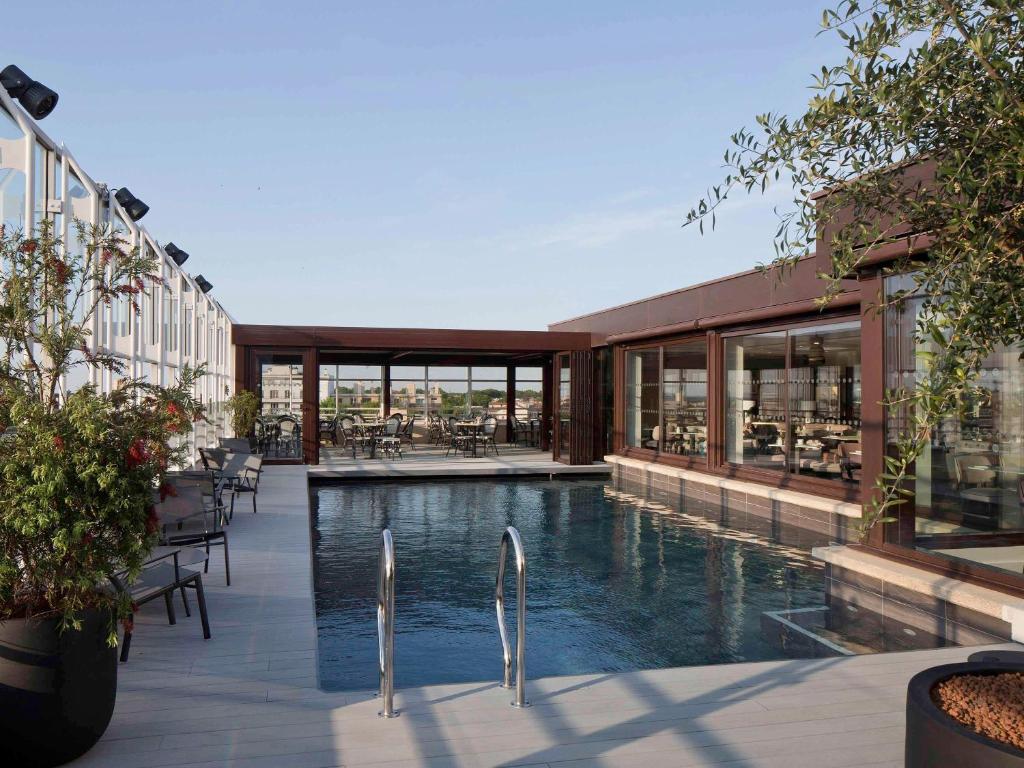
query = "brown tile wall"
{"x": 755, "y": 512}
{"x": 957, "y": 624}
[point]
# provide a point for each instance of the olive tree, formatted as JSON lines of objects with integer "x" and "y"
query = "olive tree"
{"x": 925, "y": 84}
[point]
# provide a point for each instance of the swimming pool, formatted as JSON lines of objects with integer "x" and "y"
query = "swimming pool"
{"x": 615, "y": 581}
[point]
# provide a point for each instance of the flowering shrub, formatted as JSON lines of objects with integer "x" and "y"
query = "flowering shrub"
{"x": 79, "y": 470}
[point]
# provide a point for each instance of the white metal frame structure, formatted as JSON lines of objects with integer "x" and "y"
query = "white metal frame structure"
{"x": 177, "y": 325}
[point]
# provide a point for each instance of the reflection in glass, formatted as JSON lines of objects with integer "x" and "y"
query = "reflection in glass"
{"x": 12, "y": 173}
{"x": 564, "y": 405}
{"x": 280, "y": 392}
{"x": 642, "y": 430}
{"x": 350, "y": 389}
{"x": 755, "y": 408}
{"x": 684, "y": 391}
{"x": 969, "y": 483}
{"x": 529, "y": 393}
{"x": 824, "y": 401}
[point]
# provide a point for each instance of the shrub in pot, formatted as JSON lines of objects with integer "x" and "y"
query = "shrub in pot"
{"x": 243, "y": 406}
{"x": 78, "y": 473}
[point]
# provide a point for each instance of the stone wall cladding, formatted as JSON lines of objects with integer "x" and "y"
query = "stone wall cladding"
{"x": 958, "y": 625}
{"x": 776, "y": 515}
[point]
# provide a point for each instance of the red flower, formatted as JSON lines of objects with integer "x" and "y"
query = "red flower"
{"x": 166, "y": 489}
{"x": 129, "y": 625}
{"x": 137, "y": 454}
{"x": 58, "y": 442}
{"x": 29, "y": 246}
{"x": 87, "y": 538}
{"x": 105, "y": 257}
{"x": 173, "y": 409}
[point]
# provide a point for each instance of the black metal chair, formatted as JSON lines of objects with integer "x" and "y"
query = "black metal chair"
{"x": 405, "y": 434}
{"x": 485, "y": 434}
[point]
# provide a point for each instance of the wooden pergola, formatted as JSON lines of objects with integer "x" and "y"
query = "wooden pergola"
{"x": 564, "y": 357}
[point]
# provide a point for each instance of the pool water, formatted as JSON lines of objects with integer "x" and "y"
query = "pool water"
{"x": 615, "y": 581}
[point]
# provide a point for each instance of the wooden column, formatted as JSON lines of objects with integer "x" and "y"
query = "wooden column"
{"x": 385, "y": 395}
{"x": 581, "y": 407}
{"x": 547, "y": 397}
{"x": 510, "y": 400}
{"x": 310, "y": 406}
{"x": 716, "y": 401}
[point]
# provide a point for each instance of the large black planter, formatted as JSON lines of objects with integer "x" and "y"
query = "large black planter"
{"x": 936, "y": 740}
{"x": 56, "y": 690}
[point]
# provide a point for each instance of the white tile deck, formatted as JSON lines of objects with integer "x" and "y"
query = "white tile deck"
{"x": 247, "y": 698}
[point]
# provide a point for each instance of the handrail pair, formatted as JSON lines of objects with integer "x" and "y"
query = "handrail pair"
{"x": 386, "y": 618}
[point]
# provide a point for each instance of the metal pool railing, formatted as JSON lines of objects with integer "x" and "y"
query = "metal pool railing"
{"x": 386, "y": 622}
{"x": 511, "y": 534}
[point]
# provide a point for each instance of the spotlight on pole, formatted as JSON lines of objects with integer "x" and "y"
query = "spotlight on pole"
{"x": 134, "y": 207}
{"x": 179, "y": 256}
{"x": 36, "y": 98}
{"x": 205, "y": 285}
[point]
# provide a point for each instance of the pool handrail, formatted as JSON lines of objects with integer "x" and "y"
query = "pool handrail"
{"x": 511, "y": 534}
{"x": 386, "y": 622}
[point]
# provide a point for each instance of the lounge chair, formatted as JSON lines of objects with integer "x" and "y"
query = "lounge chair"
{"x": 187, "y": 519}
{"x": 168, "y": 570}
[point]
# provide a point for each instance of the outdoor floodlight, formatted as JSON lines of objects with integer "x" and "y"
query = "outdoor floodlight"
{"x": 205, "y": 285}
{"x": 36, "y": 98}
{"x": 178, "y": 255}
{"x": 134, "y": 207}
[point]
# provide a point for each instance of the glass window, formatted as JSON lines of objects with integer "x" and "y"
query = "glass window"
{"x": 755, "y": 410}
{"x": 684, "y": 388}
{"x": 449, "y": 390}
{"x": 352, "y": 389}
{"x": 529, "y": 392}
{"x": 824, "y": 401}
{"x": 280, "y": 392}
{"x": 12, "y": 173}
{"x": 793, "y": 401}
{"x": 969, "y": 484}
{"x": 643, "y": 399}
{"x": 564, "y": 404}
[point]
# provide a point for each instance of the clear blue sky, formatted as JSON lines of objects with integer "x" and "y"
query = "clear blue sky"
{"x": 490, "y": 165}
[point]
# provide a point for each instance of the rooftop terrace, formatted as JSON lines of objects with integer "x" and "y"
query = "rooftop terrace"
{"x": 248, "y": 697}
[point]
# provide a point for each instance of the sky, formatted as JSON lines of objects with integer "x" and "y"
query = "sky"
{"x": 426, "y": 164}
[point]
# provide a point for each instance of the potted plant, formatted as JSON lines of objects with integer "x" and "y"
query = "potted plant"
{"x": 243, "y": 406}
{"x": 78, "y": 474}
{"x": 969, "y": 714}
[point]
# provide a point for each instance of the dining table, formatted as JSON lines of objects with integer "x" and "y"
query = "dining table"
{"x": 468, "y": 429}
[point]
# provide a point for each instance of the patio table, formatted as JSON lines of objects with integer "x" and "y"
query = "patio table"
{"x": 469, "y": 429}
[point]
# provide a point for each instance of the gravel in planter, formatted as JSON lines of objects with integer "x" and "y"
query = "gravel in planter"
{"x": 992, "y": 705}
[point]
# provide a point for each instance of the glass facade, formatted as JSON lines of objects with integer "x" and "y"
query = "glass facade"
{"x": 667, "y": 398}
{"x": 643, "y": 399}
{"x": 969, "y": 484}
{"x": 793, "y": 400}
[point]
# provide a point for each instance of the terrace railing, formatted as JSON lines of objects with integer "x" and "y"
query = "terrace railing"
{"x": 511, "y": 534}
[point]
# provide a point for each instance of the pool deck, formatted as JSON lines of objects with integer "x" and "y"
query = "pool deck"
{"x": 247, "y": 698}
{"x": 428, "y": 461}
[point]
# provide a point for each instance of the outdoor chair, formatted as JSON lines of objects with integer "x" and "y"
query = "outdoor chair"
{"x": 247, "y": 481}
{"x": 456, "y": 441}
{"x": 485, "y": 435}
{"x": 168, "y": 570}
{"x": 518, "y": 431}
{"x": 288, "y": 435}
{"x": 186, "y": 519}
{"x": 434, "y": 432}
{"x": 444, "y": 433}
{"x": 213, "y": 458}
{"x": 405, "y": 434}
{"x": 329, "y": 430}
{"x": 348, "y": 434}
{"x": 235, "y": 444}
{"x": 390, "y": 442}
